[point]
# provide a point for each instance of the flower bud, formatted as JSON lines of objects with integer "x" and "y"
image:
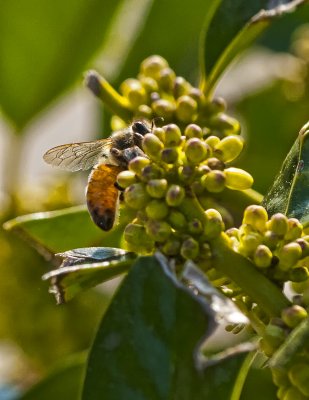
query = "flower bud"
{"x": 225, "y": 124}
{"x": 152, "y": 145}
{"x": 214, "y": 225}
{"x": 186, "y": 173}
{"x": 197, "y": 95}
{"x": 298, "y": 274}
{"x": 153, "y": 65}
{"x": 237, "y": 179}
{"x": 137, "y": 239}
{"x": 229, "y": 148}
{"x": 172, "y": 135}
{"x": 149, "y": 84}
{"x": 151, "y": 171}
{"x": 289, "y": 255}
{"x": 299, "y": 376}
{"x": 166, "y": 79}
{"x": 157, "y": 188}
{"x": 214, "y": 163}
{"x": 249, "y": 243}
{"x": 189, "y": 248}
{"x": 212, "y": 141}
{"x": 137, "y": 164}
{"x": 294, "y": 393}
{"x": 177, "y": 220}
{"x": 214, "y": 181}
{"x": 304, "y": 247}
{"x": 275, "y": 335}
{"x": 217, "y": 105}
{"x": 163, "y": 108}
{"x": 169, "y": 155}
{"x": 159, "y": 231}
{"x": 195, "y": 226}
{"x": 181, "y": 87}
{"x": 171, "y": 247}
{"x": 256, "y": 216}
{"x": 133, "y": 90}
{"x": 295, "y": 229}
{"x": 278, "y": 224}
{"x": 160, "y": 133}
{"x": 186, "y": 109}
{"x": 193, "y": 131}
{"x": 144, "y": 111}
{"x": 280, "y": 377}
{"x": 293, "y": 315}
{"x": 196, "y": 150}
{"x": 136, "y": 196}
{"x": 126, "y": 178}
{"x": 271, "y": 239}
{"x": 157, "y": 209}
{"x": 262, "y": 256}
{"x": 175, "y": 195}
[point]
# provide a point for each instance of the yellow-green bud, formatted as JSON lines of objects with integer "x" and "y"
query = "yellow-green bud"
{"x": 151, "y": 171}
{"x": 302, "y": 287}
{"x": 275, "y": 335}
{"x": 195, "y": 226}
{"x": 175, "y": 195}
{"x": 196, "y": 150}
{"x": 177, "y": 220}
{"x": 137, "y": 239}
{"x": 299, "y": 376}
{"x": 271, "y": 239}
{"x": 166, "y": 79}
{"x": 172, "y": 135}
{"x": 186, "y": 173}
{"x": 197, "y": 95}
{"x": 280, "y": 377}
{"x": 193, "y": 131}
{"x": 256, "y": 216}
{"x": 304, "y": 246}
{"x": 225, "y": 124}
{"x": 262, "y": 256}
{"x": 214, "y": 163}
{"x": 159, "y": 231}
{"x": 153, "y": 65}
{"x": 214, "y": 225}
{"x": 160, "y": 133}
{"x": 171, "y": 247}
{"x": 189, "y": 248}
{"x": 157, "y": 188}
{"x": 249, "y": 243}
{"x": 289, "y": 255}
{"x": 144, "y": 111}
{"x": 133, "y": 90}
{"x": 237, "y": 179}
{"x": 212, "y": 141}
{"x": 137, "y": 164}
{"x": 278, "y": 224}
{"x": 266, "y": 347}
{"x": 298, "y": 274}
{"x": 126, "y": 178}
{"x": 233, "y": 232}
{"x": 293, "y": 393}
{"x": 218, "y": 105}
{"x": 169, "y": 155}
{"x": 136, "y": 196}
{"x": 150, "y": 85}
{"x": 157, "y": 209}
{"x": 214, "y": 181}
{"x": 293, "y": 315}
{"x": 152, "y": 145}
{"x": 229, "y": 148}
{"x": 163, "y": 108}
{"x": 281, "y": 392}
{"x": 295, "y": 229}
{"x": 186, "y": 109}
{"x": 181, "y": 87}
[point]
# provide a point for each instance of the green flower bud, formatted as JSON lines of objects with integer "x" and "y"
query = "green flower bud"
{"x": 137, "y": 164}
{"x": 293, "y": 315}
{"x": 233, "y": 232}
{"x": 289, "y": 255}
{"x": 186, "y": 109}
{"x": 137, "y": 239}
{"x": 280, "y": 377}
{"x": 271, "y": 239}
{"x": 237, "y": 179}
{"x": 193, "y": 131}
{"x": 299, "y": 274}
{"x": 144, "y": 111}
{"x": 214, "y": 181}
{"x": 197, "y": 95}
{"x": 226, "y": 124}
{"x": 151, "y": 171}
{"x": 281, "y": 392}
{"x": 136, "y": 196}
{"x": 169, "y": 155}
{"x": 189, "y": 248}
{"x": 152, "y": 145}
{"x": 197, "y": 188}
{"x": 172, "y": 135}
{"x": 256, "y": 216}
{"x": 195, "y": 226}
{"x": 293, "y": 393}
{"x": 217, "y": 105}
{"x": 166, "y": 79}
{"x": 163, "y": 108}
{"x": 278, "y": 224}
{"x": 304, "y": 246}
{"x": 266, "y": 347}
{"x": 229, "y": 148}
{"x": 133, "y": 90}
{"x": 196, "y": 150}
{"x": 299, "y": 376}
{"x": 181, "y": 87}
{"x": 214, "y": 163}
{"x": 212, "y": 141}
{"x": 126, "y": 178}
{"x": 249, "y": 243}
{"x": 153, "y": 65}
{"x": 157, "y": 209}
{"x": 175, "y": 195}
{"x": 275, "y": 335}
{"x": 177, "y": 220}
{"x": 295, "y": 230}
{"x": 262, "y": 257}
{"x": 157, "y": 188}
{"x": 159, "y": 231}
{"x": 160, "y": 133}
{"x": 171, "y": 247}
{"x": 149, "y": 84}
{"x": 214, "y": 225}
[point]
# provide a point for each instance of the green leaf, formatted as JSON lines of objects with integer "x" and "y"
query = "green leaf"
{"x": 290, "y": 192}
{"x": 63, "y": 383}
{"x": 148, "y": 344}
{"x": 259, "y": 378}
{"x": 57, "y": 231}
{"x": 234, "y": 26}
{"x": 84, "y": 268}
{"x": 44, "y": 47}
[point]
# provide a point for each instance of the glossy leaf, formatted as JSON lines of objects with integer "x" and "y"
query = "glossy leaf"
{"x": 148, "y": 344}
{"x": 57, "y": 231}
{"x": 234, "y": 26}
{"x": 84, "y": 268}
{"x": 44, "y": 47}
{"x": 290, "y": 191}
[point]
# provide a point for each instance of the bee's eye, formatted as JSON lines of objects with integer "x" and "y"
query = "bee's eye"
{"x": 140, "y": 127}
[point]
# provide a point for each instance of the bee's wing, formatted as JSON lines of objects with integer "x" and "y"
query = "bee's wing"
{"x": 78, "y": 156}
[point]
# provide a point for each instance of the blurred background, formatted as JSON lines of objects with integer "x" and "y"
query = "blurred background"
{"x": 45, "y": 48}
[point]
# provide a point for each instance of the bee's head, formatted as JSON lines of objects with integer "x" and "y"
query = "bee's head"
{"x": 141, "y": 127}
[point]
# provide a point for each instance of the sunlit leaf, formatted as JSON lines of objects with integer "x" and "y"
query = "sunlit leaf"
{"x": 148, "y": 344}
{"x": 84, "y": 268}
{"x": 235, "y": 25}
{"x": 290, "y": 191}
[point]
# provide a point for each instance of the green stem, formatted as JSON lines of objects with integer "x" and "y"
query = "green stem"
{"x": 118, "y": 104}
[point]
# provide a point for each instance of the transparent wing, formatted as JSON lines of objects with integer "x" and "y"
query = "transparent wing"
{"x": 78, "y": 156}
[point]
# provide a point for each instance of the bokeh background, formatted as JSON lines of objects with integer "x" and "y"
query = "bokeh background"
{"x": 45, "y": 48}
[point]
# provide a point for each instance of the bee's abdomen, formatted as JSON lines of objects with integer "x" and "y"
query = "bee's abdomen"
{"x": 102, "y": 195}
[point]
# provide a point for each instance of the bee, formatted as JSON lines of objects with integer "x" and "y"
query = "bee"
{"x": 106, "y": 157}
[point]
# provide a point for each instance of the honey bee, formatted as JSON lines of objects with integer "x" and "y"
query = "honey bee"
{"x": 107, "y": 157}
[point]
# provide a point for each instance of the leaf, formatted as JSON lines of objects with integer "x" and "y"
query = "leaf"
{"x": 259, "y": 378}
{"x": 63, "y": 383}
{"x": 84, "y": 268}
{"x": 44, "y": 47}
{"x": 235, "y": 25}
{"x": 290, "y": 192}
{"x": 57, "y": 231}
{"x": 148, "y": 344}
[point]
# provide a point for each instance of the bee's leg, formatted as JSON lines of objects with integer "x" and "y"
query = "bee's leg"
{"x": 118, "y": 187}
{"x": 119, "y": 157}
